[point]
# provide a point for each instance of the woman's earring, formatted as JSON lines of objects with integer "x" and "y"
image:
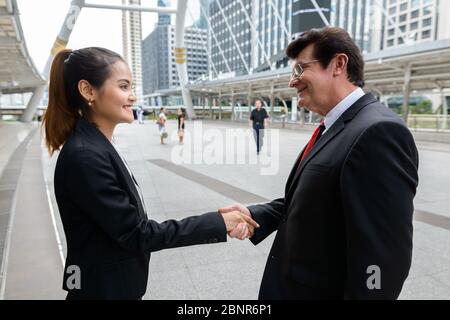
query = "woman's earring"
{"x": 90, "y": 103}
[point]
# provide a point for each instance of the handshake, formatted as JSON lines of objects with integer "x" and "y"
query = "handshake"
{"x": 238, "y": 221}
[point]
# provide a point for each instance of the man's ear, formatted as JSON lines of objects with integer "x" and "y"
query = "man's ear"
{"x": 86, "y": 90}
{"x": 341, "y": 61}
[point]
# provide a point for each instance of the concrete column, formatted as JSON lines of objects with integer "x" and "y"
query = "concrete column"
{"x": 213, "y": 106}
{"x": 249, "y": 99}
{"x": 203, "y": 102}
{"x": 444, "y": 111}
{"x": 180, "y": 57}
{"x": 59, "y": 44}
{"x": 33, "y": 104}
{"x": 208, "y": 103}
{"x": 272, "y": 99}
{"x": 406, "y": 92}
{"x": 302, "y": 116}
{"x": 285, "y": 107}
{"x": 294, "y": 109}
{"x": 233, "y": 102}
{"x": 272, "y": 104}
{"x": 220, "y": 105}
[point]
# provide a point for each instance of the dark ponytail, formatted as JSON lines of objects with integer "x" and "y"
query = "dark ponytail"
{"x": 65, "y": 103}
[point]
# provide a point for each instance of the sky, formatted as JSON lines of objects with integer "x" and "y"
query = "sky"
{"x": 41, "y": 21}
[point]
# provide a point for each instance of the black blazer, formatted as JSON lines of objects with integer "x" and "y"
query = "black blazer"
{"x": 346, "y": 207}
{"x": 109, "y": 236}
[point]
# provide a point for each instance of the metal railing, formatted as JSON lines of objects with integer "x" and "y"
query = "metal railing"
{"x": 429, "y": 122}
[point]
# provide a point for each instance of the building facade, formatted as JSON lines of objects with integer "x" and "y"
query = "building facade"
{"x": 356, "y": 17}
{"x": 159, "y": 67}
{"x": 132, "y": 51}
{"x": 262, "y": 29}
{"x": 414, "y": 21}
{"x": 230, "y": 37}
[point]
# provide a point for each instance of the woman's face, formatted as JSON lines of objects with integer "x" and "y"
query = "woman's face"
{"x": 114, "y": 100}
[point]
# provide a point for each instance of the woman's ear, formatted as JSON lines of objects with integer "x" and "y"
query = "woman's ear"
{"x": 86, "y": 90}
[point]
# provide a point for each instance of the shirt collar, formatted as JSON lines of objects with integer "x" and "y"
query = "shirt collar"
{"x": 341, "y": 107}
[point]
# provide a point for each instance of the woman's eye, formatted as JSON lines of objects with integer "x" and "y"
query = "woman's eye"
{"x": 125, "y": 86}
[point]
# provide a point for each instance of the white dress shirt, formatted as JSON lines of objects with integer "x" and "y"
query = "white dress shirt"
{"x": 341, "y": 107}
{"x": 138, "y": 188}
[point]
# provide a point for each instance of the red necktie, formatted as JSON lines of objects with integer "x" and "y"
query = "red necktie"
{"x": 313, "y": 139}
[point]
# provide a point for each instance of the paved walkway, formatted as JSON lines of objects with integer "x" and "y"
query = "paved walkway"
{"x": 231, "y": 270}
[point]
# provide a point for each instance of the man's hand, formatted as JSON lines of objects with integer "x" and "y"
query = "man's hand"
{"x": 242, "y": 230}
{"x": 236, "y": 207}
{"x": 239, "y": 225}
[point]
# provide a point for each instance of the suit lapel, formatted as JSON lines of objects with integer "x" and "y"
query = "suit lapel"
{"x": 293, "y": 171}
{"x": 335, "y": 129}
{"x": 100, "y": 139}
{"x": 128, "y": 177}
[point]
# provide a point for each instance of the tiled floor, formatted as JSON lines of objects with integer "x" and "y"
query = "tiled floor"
{"x": 233, "y": 270}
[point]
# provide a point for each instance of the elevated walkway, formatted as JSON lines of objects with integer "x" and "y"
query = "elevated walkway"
{"x": 31, "y": 261}
{"x": 31, "y": 267}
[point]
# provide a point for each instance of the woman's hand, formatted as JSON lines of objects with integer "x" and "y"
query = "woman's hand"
{"x": 240, "y": 225}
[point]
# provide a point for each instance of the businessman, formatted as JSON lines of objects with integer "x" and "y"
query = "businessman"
{"x": 344, "y": 225}
{"x": 258, "y": 122}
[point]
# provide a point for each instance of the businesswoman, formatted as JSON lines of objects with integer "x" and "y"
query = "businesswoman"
{"x": 109, "y": 237}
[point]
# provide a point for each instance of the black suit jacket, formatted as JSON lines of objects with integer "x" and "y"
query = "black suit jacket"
{"x": 347, "y": 206}
{"x": 109, "y": 237}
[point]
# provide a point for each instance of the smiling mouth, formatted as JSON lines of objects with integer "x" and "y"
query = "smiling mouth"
{"x": 127, "y": 107}
{"x": 299, "y": 92}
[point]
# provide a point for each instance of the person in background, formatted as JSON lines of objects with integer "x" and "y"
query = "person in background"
{"x": 258, "y": 122}
{"x": 162, "y": 119}
{"x": 140, "y": 114}
{"x": 181, "y": 121}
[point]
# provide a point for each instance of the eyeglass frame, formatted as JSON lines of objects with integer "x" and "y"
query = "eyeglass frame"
{"x": 294, "y": 75}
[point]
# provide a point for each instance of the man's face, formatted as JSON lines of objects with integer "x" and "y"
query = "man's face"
{"x": 258, "y": 104}
{"x": 314, "y": 84}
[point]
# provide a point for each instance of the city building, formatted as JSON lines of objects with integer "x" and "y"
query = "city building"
{"x": 357, "y": 18}
{"x": 415, "y": 21}
{"x": 230, "y": 37}
{"x": 159, "y": 67}
{"x": 132, "y": 52}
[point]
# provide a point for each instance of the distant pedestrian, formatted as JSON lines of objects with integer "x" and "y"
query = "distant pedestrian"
{"x": 140, "y": 114}
{"x": 258, "y": 122}
{"x": 162, "y": 124}
{"x": 181, "y": 121}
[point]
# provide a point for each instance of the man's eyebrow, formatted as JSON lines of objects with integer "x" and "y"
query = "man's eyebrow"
{"x": 127, "y": 81}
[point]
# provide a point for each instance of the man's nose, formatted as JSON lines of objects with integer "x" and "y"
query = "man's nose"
{"x": 293, "y": 82}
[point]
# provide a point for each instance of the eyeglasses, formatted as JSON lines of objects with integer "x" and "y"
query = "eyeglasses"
{"x": 298, "y": 69}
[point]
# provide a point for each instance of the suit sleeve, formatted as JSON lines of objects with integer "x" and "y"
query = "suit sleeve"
{"x": 269, "y": 216}
{"x": 378, "y": 183}
{"x": 92, "y": 186}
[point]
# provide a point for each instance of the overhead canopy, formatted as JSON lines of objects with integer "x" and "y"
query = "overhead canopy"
{"x": 429, "y": 63}
{"x": 385, "y": 73}
{"x": 17, "y": 70}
